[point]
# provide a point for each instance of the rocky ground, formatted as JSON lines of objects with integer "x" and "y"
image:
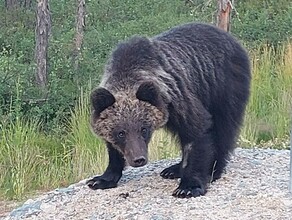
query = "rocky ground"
{"x": 254, "y": 187}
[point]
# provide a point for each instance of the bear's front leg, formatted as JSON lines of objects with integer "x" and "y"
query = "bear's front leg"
{"x": 172, "y": 172}
{"x": 112, "y": 174}
{"x": 197, "y": 157}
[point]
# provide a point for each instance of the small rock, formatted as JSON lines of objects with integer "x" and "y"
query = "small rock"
{"x": 27, "y": 209}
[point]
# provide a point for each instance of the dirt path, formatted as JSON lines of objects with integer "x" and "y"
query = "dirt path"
{"x": 254, "y": 187}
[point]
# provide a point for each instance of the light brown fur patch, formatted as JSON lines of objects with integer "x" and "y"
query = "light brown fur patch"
{"x": 127, "y": 110}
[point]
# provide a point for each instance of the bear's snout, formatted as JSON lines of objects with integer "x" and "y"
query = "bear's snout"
{"x": 139, "y": 161}
{"x": 136, "y": 161}
{"x": 136, "y": 153}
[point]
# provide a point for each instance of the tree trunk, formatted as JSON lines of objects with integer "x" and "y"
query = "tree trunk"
{"x": 26, "y": 3}
{"x": 223, "y": 15}
{"x": 11, "y": 4}
{"x": 42, "y": 32}
{"x": 80, "y": 24}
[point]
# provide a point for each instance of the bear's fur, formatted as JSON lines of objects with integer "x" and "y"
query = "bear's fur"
{"x": 194, "y": 80}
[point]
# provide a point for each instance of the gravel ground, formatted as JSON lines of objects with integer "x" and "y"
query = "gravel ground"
{"x": 254, "y": 187}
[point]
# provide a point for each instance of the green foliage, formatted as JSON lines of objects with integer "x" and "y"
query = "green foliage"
{"x": 163, "y": 146}
{"x": 32, "y": 160}
{"x": 269, "y": 111}
{"x": 89, "y": 155}
{"x": 107, "y": 23}
{"x": 25, "y": 152}
{"x": 45, "y": 139}
{"x": 263, "y": 21}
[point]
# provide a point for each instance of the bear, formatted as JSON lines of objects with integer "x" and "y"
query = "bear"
{"x": 194, "y": 81}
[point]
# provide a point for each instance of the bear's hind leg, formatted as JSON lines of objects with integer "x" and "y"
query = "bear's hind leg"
{"x": 112, "y": 174}
{"x": 227, "y": 123}
{"x": 172, "y": 172}
{"x": 224, "y": 144}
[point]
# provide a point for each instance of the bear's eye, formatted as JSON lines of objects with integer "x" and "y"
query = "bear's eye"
{"x": 121, "y": 134}
{"x": 144, "y": 132}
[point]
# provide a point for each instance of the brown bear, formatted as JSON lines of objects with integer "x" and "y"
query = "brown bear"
{"x": 193, "y": 80}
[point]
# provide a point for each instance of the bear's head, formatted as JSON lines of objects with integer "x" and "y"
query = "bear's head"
{"x": 128, "y": 122}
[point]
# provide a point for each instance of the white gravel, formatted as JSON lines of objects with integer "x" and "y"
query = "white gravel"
{"x": 254, "y": 187}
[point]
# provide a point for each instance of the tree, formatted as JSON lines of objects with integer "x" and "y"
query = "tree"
{"x": 26, "y": 3}
{"x": 80, "y": 24}
{"x": 223, "y": 15}
{"x": 12, "y": 4}
{"x": 42, "y": 33}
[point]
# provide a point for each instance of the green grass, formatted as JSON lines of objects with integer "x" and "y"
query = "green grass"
{"x": 163, "y": 146}
{"x": 32, "y": 160}
{"x": 29, "y": 160}
{"x": 268, "y": 116}
{"x": 89, "y": 155}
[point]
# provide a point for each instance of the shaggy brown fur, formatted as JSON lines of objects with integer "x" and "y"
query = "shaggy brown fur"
{"x": 128, "y": 111}
{"x": 194, "y": 80}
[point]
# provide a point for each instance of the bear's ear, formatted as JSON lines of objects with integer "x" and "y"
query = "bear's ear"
{"x": 149, "y": 92}
{"x": 101, "y": 99}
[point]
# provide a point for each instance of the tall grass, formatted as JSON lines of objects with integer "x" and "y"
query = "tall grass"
{"x": 89, "y": 153}
{"x": 32, "y": 160}
{"x": 17, "y": 156}
{"x": 162, "y": 146}
{"x": 268, "y": 114}
{"x": 29, "y": 159}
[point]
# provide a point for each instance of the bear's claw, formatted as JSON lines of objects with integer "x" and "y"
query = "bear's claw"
{"x": 188, "y": 193}
{"x": 99, "y": 183}
{"x": 172, "y": 172}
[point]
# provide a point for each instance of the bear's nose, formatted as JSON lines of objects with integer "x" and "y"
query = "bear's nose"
{"x": 140, "y": 161}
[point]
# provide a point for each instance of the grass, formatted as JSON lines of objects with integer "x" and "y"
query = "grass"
{"x": 89, "y": 154}
{"x": 31, "y": 160}
{"x": 163, "y": 146}
{"x": 268, "y": 115}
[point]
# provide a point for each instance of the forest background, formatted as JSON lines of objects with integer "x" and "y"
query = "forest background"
{"x": 45, "y": 139}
